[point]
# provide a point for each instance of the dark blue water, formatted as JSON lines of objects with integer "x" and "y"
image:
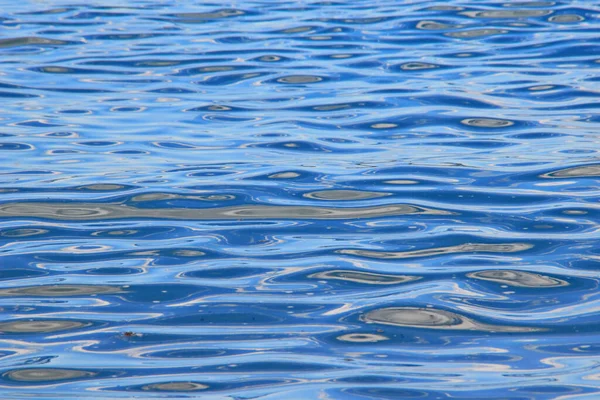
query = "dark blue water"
{"x": 276, "y": 199}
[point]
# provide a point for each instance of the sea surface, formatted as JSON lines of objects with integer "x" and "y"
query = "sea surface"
{"x": 296, "y": 200}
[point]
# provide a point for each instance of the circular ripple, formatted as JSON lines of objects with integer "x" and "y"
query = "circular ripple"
{"x": 78, "y": 212}
{"x": 15, "y": 146}
{"x": 487, "y": 122}
{"x": 284, "y": 175}
{"x": 300, "y": 79}
{"x": 125, "y": 232}
{"x": 434, "y": 25}
{"x": 128, "y": 109}
{"x": 518, "y": 278}
{"x": 575, "y": 172}
{"x": 475, "y": 33}
{"x": 362, "y": 338}
{"x": 47, "y": 374}
{"x": 60, "y": 290}
{"x": 102, "y": 187}
{"x": 175, "y": 387}
{"x": 154, "y": 197}
{"x": 364, "y": 277}
{"x": 335, "y": 195}
{"x": 218, "y": 107}
{"x": 40, "y": 326}
{"x": 430, "y": 318}
{"x": 269, "y": 58}
{"x": 412, "y": 66}
{"x": 23, "y": 232}
{"x": 415, "y": 317}
{"x": 566, "y": 18}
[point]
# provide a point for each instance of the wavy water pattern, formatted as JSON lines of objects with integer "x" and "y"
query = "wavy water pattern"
{"x": 277, "y": 199}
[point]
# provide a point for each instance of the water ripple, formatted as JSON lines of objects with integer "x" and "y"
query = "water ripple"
{"x": 299, "y": 199}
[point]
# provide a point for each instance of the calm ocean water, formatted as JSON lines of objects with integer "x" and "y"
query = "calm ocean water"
{"x": 277, "y": 199}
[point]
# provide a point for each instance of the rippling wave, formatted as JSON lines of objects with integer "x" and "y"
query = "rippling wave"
{"x": 299, "y": 199}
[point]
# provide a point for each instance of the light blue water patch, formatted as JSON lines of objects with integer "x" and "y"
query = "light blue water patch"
{"x": 299, "y": 199}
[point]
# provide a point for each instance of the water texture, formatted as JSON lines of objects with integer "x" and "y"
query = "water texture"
{"x": 277, "y": 199}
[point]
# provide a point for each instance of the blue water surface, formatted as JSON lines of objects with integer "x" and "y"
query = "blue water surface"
{"x": 277, "y": 199}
